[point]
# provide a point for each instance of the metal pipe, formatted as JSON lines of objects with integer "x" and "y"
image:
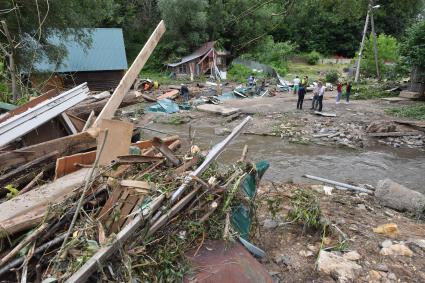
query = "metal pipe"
{"x": 347, "y": 186}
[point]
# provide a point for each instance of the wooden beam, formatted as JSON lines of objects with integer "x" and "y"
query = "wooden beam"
{"x": 66, "y": 145}
{"x": 130, "y": 76}
{"x": 131, "y": 159}
{"x": 89, "y": 121}
{"x": 69, "y": 124}
{"x": 165, "y": 150}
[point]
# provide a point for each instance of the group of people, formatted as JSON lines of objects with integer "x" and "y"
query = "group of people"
{"x": 300, "y": 88}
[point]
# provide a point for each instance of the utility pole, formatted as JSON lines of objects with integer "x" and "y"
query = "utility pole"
{"x": 372, "y": 23}
{"x": 10, "y": 55}
{"x": 356, "y": 79}
{"x": 369, "y": 14}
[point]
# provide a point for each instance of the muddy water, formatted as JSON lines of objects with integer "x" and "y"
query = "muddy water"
{"x": 290, "y": 161}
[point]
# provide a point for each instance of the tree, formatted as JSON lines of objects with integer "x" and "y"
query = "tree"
{"x": 388, "y": 52}
{"x": 413, "y": 51}
{"x": 31, "y": 23}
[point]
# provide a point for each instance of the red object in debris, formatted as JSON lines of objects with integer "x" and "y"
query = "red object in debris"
{"x": 218, "y": 261}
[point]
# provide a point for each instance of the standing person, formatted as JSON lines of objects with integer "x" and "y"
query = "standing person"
{"x": 251, "y": 80}
{"x": 347, "y": 93}
{"x": 296, "y": 84}
{"x": 301, "y": 94}
{"x": 320, "y": 95}
{"x": 339, "y": 92}
{"x": 184, "y": 91}
{"x": 315, "y": 97}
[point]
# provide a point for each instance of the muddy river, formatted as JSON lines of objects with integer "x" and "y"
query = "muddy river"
{"x": 290, "y": 161}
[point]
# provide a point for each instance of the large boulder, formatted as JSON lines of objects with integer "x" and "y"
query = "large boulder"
{"x": 398, "y": 197}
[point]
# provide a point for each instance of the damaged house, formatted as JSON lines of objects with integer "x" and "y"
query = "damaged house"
{"x": 206, "y": 60}
{"x": 102, "y": 64}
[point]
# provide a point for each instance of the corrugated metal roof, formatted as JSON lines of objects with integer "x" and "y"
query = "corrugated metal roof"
{"x": 106, "y": 52}
{"x": 204, "y": 49}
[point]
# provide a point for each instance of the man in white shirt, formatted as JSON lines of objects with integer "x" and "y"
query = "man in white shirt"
{"x": 321, "y": 93}
{"x": 296, "y": 84}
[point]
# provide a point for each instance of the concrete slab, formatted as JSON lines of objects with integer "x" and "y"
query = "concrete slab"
{"x": 218, "y": 109}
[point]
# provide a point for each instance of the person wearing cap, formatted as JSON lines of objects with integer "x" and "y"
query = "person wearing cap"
{"x": 184, "y": 91}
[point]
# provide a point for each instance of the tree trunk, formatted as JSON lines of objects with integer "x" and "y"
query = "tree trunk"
{"x": 417, "y": 80}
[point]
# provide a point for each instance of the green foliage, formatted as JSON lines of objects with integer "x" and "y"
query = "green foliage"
{"x": 332, "y": 76}
{"x": 413, "y": 46}
{"x": 388, "y": 52}
{"x": 274, "y": 54}
{"x": 305, "y": 209}
{"x": 238, "y": 73}
{"x": 313, "y": 57}
{"x": 367, "y": 91}
{"x": 416, "y": 111}
{"x": 12, "y": 191}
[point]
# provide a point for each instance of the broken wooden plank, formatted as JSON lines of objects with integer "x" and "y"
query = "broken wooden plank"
{"x": 30, "y": 165}
{"x": 394, "y": 134}
{"x": 136, "y": 184}
{"x": 125, "y": 210}
{"x": 77, "y": 122}
{"x": 165, "y": 150}
{"x": 69, "y": 125}
{"x": 68, "y": 164}
{"x": 90, "y": 121}
{"x": 186, "y": 166}
{"x": 27, "y": 210}
{"x": 66, "y": 145}
{"x": 131, "y": 159}
{"x": 104, "y": 252}
{"x": 148, "y": 143}
{"x": 126, "y": 82}
{"x": 170, "y": 95}
{"x": 118, "y": 142}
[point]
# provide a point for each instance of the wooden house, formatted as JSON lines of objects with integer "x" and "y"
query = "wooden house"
{"x": 102, "y": 64}
{"x": 206, "y": 60}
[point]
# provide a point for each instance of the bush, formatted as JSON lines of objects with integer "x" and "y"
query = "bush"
{"x": 332, "y": 76}
{"x": 238, "y": 73}
{"x": 313, "y": 57}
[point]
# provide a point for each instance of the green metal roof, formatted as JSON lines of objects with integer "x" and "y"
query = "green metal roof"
{"x": 106, "y": 52}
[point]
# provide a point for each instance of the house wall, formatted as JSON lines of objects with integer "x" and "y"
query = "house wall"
{"x": 101, "y": 80}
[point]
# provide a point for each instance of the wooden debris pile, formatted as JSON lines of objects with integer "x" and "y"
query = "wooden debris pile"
{"x": 134, "y": 212}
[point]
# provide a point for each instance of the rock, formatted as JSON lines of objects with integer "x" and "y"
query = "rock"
{"x": 270, "y": 224}
{"x": 397, "y": 250}
{"x": 374, "y": 276}
{"x": 312, "y": 248}
{"x": 286, "y": 260}
{"x": 306, "y": 253}
{"x": 389, "y": 229}
{"x": 398, "y": 197}
{"x": 392, "y": 276}
{"x": 353, "y": 256}
{"x": 418, "y": 242}
{"x": 361, "y": 206}
{"x": 222, "y": 131}
{"x": 344, "y": 270}
{"x": 386, "y": 244}
{"x": 382, "y": 267}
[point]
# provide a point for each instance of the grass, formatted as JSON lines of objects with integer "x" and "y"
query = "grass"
{"x": 314, "y": 72}
{"x": 415, "y": 111}
{"x": 305, "y": 209}
{"x": 369, "y": 91}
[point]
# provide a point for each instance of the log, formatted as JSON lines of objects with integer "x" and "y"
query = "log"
{"x": 64, "y": 146}
{"x": 29, "y": 186}
{"x": 130, "y": 76}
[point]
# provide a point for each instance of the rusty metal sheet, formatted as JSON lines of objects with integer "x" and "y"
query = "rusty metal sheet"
{"x": 218, "y": 261}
